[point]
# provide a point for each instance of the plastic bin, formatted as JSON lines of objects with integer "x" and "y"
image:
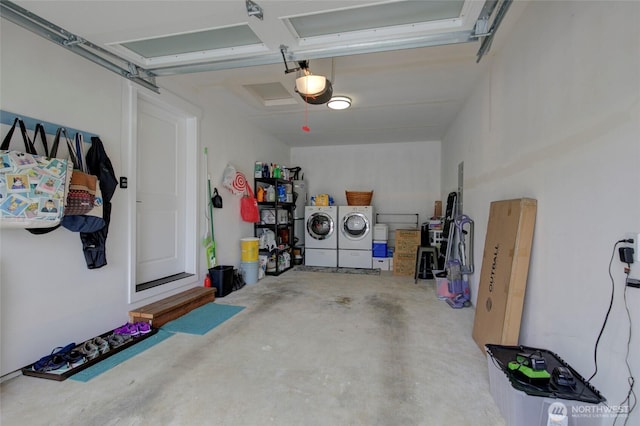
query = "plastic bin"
{"x": 379, "y": 249}
{"x": 222, "y": 279}
{"x": 249, "y": 272}
{"x": 249, "y": 252}
{"x": 381, "y": 232}
{"x": 442, "y": 289}
{"x": 525, "y": 404}
{"x": 381, "y": 263}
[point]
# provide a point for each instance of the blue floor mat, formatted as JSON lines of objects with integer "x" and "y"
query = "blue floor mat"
{"x": 107, "y": 364}
{"x": 203, "y": 319}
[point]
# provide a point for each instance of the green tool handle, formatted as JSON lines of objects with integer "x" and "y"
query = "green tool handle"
{"x": 211, "y": 210}
{"x": 210, "y": 201}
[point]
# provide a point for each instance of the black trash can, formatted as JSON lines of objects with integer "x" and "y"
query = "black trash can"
{"x": 222, "y": 279}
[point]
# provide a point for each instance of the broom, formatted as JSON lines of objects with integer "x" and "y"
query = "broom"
{"x": 209, "y": 240}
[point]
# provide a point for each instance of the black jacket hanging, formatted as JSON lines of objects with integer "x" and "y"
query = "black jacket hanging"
{"x": 94, "y": 243}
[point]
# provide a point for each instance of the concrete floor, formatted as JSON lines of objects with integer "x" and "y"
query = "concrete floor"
{"x": 310, "y": 348}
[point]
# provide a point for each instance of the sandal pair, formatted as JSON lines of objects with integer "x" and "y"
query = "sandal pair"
{"x": 59, "y": 358}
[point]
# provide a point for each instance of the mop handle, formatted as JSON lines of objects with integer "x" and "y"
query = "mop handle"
{"x": 210, "y": 209}
{"x": 210, "y": 200}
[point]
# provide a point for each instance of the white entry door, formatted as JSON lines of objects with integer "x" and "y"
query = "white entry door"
{"x": 160, "y": 193}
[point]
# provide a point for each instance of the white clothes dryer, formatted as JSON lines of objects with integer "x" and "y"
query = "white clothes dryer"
{"x": 356, "y": 227}
{"x": 355, "y": 236}
{"x": 321, "y": 236}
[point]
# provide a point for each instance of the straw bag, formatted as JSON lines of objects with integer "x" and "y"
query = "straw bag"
{"x": 82, "y": 190}
{"x": 84, "y": 203}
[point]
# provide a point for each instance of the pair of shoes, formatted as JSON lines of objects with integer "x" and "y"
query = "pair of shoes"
{"x": 74, "y": 358}
{"x": 133, "y": 330}
{"x": 58, "y": 358}
{"x": 52, "y": 362}
{"x": 95, "y": 347}
{"x": 90, "y": 350}
{"x": 71, "y": 360}
{"x": 116, "y": 340}
{"x": 102, "y": 344}
{"x": 127, "y": 329}
{"x": 143, "y": 327}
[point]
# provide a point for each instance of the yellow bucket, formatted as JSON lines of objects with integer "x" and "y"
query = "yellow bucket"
{"x": 249, "y": 249}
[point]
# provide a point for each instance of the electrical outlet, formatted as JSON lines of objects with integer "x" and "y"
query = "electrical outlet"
{"x": 635, "y": 236}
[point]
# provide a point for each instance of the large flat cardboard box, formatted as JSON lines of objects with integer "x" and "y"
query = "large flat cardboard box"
{"x": 404, "y": 264}
{"x": 407, "y": 241}
{"x": 505, "y": 266}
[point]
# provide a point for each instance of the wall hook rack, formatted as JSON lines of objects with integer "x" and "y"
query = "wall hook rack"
{"x": 7, "y": 117}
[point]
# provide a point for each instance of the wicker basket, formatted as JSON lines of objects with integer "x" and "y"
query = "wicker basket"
{"x": 356, "y": 198}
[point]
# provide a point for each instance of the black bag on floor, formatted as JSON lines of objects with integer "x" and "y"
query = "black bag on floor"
{"x": 238, "y": 280}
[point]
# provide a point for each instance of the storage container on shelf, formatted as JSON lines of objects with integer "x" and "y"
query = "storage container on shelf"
{"x": 382, "y": 263}
{"x": 270, "y": 194}
{"x": 381, "y": 232}
{"x": 379, "y": 248}
{"x": 268, "y": 216}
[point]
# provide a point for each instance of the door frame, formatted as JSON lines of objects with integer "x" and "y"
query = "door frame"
{"x": 192, "y": 115}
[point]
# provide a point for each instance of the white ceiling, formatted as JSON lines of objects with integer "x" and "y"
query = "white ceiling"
{"x": 399, "y": 95}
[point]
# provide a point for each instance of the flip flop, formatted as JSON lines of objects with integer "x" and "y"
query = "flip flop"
{"x": 54, "y": 360}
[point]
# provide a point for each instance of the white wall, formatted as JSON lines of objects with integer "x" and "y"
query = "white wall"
{"x": 230, "y": 140}
{"x": 557, "y": 119}
{"x": 405, "y": 177}
{"x": 48, "y": 297}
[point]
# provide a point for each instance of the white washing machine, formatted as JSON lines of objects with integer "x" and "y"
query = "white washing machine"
{"x": 355, "y": 236}
{"x": 321, "y": 236}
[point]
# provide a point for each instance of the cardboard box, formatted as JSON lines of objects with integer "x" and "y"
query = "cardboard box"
{"x": 505, "y": 266}
{"x": 437, "y": 209}
{"x": 407, "y": 241}
{"x": 404, "y": 264}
